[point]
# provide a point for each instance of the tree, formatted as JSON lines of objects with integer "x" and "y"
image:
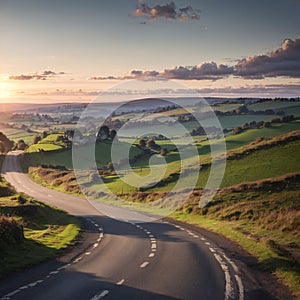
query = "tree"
{"x": 151, "y": 143}
{"x": 267, "y": 125}
{"x": 164, "y": 151}
{"x": 142, "y": 143}
{"x": 21, "y": 145}
{"x": 36, "y": 139}
{"x": 69, "y": 134}
{"x": 45, "y": 134}
{"x": 237, "y": 130}
{"x": 242, "y": 110}
{"x": 112, "y": 134}
{"x": 103, "y": 133}
{"x": 8, "y": 144}
{"x": 2, "y": 147}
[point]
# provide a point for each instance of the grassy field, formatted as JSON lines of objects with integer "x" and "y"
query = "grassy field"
{"x": 46, "y": 229}
{"x": 251, "y": 167}
{"x": 262, "y": 163}
{"x": 18, "y": 134}
{"x": 49, "y": 143}
{"x": 64, "y": 158}
{"x": 280, "y": 105}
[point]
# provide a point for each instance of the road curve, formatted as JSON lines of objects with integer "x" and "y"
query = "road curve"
{"x": 127, "y": 260}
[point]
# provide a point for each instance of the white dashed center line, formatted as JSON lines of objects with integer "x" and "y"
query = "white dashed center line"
{"x": 144, "y": 264}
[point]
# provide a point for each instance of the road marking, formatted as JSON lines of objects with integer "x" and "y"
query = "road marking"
{"x": 63, "y": 267}
{"x": 121, "y": 282}
{"x": 153, "y": 246}
{"x": 234, "y": 266}
{"x": 240, "y": 285}
{"x": 152, "y": 254}
{"x": 11, "y": 294}
{"x": 77, "y": 260}
{"x": 151, "y": 235}
{"x": 144, "y": 264}
{"x": 228, "y": 283}
{"x": 51, "y": 273}
{"x": 87, "y": 253}
{"x": 100, "y": 295}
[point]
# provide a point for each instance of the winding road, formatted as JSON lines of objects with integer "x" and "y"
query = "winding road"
{"x": 123, "y": 260}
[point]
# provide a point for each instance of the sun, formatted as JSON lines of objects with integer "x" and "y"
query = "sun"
{"x": 4, "y": 90}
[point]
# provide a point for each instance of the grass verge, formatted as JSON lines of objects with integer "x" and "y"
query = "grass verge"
{"x": 263, "y": 217}
{"x": 31, "y": 231}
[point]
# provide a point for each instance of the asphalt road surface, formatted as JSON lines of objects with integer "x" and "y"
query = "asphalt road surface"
{"x": 124, "y": 260}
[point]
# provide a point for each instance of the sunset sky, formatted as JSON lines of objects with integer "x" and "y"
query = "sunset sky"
{"x": 70, "y": 50}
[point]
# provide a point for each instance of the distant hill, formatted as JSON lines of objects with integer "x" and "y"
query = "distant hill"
{"x": 134, "y": 105}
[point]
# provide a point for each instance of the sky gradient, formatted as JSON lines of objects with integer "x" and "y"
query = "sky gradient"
{"x": 71, "y": 50}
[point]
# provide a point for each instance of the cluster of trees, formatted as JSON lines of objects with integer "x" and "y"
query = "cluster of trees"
{"x": 106, "y": 133}
{"x": 208, "y": 130}
{"x": 262, "y": 124}
{"x": 149, "y": 144}
{"x": 278, "y": 99}
{"x": 243, "y": 110}
{"x": 185, "y": 118}
{"x": 7, "y": 145}
{"x": 21, "y": 145}
{"x": 114, "y": 124}
{"x": 165, "y": 108}
{"x": 33, "y": 117}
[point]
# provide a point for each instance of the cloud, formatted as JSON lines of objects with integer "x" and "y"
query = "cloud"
{"x": 205, "y": 71}
{"x": 284, "y": 61}
{"x": 168, "y": 11}
{"x": 36, "y": 76}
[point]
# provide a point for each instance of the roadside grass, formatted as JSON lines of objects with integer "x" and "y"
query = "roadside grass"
{"x": 263, "y": 217}
{"x": 47, "y": 230}
{"x": 284, "y": 267}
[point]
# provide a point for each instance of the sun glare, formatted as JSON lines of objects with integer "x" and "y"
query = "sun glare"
{"x": 4, "y": 90}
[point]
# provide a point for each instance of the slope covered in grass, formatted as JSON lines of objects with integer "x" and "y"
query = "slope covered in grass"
{"x": 264, "y": 158}
{"x": 31, "y": 231}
